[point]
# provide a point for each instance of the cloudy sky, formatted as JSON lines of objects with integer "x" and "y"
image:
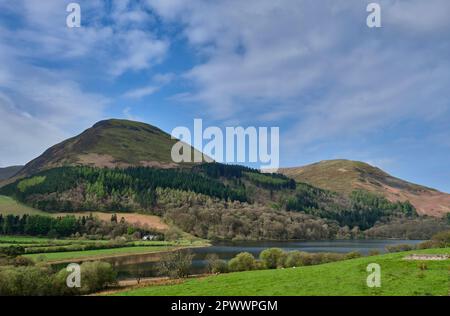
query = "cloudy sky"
{"x": 336, "y": 88}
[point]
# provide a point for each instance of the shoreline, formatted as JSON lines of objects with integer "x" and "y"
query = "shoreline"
{"x": 121, "y": 255}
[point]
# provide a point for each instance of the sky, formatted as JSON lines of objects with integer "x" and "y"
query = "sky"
{"x": 334, "y": 87}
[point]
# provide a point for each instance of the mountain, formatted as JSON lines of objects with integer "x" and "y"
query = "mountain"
{"x": 219, "y": 201}
{"x": 8, "y": 172}
{"x": 110, "y": 143}
{"x": 345, "y": 176}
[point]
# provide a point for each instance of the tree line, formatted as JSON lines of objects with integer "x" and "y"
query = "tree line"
{"x": 112, "y": 189}
{"x": 68, "y": 226}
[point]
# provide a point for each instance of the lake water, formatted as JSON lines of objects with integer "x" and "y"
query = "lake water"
{"x": 145, "y": 265}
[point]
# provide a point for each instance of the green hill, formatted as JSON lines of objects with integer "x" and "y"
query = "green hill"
{"x": 109, "y": 143}
{"x": 398, "y": 277}
{"x": 345, "y": 176}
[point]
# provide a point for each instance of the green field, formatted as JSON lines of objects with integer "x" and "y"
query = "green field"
{"x": 41, "y": 245}
{"x": 10, "y": 206}
{"x": 96, "y": 254}
{"x": 398, "y": 277}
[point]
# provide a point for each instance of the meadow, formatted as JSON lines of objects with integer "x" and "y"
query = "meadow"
{"x": 96, "y": 254}
{"x": 399, "y": 277}
{"x": 11, "y": 206}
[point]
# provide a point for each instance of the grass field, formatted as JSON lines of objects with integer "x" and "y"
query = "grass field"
{"x": 10, "y": 206}
{"x": 96, "y": 254}
{"x": 398, "y": 277}
{"x": 41, "y": 245}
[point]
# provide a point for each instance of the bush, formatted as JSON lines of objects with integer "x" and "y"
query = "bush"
{"x": 96, "y": 276}
{"x": 26, "y": 281}
{"x": 442, "y": 238}
{"x": 332, "y": 257}
{"x": 244, "y": 261}
{"x": 273, "y": 258}
{"x": 215, "y": 264}
{"x": 173, "y": 234}
{"x": 353, "y": 255}
{"x": 428, "y": 244}
{"x": 13, "y": 251}
{"x": 294, "y": 259}
{"x": 399, "y": 248}
{"x": 374, "y": 253}
{"x": 22, "y": 261}
{"x": 176, "y": 264}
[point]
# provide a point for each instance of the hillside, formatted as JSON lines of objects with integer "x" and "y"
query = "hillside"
{"x": 213, "y": 200}
{"x": 345, "y": 176}
{"x": 109, "y": 143}
{"x": 8, "y": 172}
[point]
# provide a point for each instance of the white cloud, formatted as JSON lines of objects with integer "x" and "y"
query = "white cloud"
{"x": 158, "y": 81}
{"x": 141, "y": 92}
{"x": 48, "y": 69}
{"x": 141, "y": 51}
{"x": 318, "y": 65}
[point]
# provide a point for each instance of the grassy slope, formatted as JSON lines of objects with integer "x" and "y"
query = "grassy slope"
{"x": 10, "y": 206}
{"x": 344, "y": 176}
{"x": 398, "y": 277}
{"x": 109, "y": 143}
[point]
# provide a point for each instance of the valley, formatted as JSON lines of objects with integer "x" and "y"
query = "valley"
{"x": 112, "y": 196}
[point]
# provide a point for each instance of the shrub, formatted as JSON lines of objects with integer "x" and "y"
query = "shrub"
{"x": 442, "y": 238}
{"x": 294, "y": 259}
{"x": 176, "y": 264}
{"x": 428, "y": 244}
{"x": 374, "y": 253}
{"x": 26, "y": 281}
{"x": 399, "y": 248}
{"x": 244, "y": 261}
{"x": 215, "y": 264}
{"x": 172, "y": 234}
{"x": 96, "y": 276}
{"x": 273, "y": 258}
{"x": 332, "y": 257}
{"x": 22, "y": 261}
{"x": 13, "y": 251}
{"x": 353, "y": 255}
{"x": 423, "y": 266}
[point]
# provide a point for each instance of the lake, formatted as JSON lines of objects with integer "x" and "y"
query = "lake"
{"x": 145, "y": 265}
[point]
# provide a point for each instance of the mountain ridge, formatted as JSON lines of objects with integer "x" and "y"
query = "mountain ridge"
{"x": 118, "y": 143}
{"x": 8, "y": 172}
{"x": 344, "y": 176}
{"x": 109, "y": 143}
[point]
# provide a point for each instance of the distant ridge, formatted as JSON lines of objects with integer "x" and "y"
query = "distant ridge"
{"x": 8, "y": 172}
{"x": 123, "y": 143}
{"x": 345, "y": 176}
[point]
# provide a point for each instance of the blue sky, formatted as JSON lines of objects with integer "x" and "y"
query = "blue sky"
{"x": 336, "y": 88}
